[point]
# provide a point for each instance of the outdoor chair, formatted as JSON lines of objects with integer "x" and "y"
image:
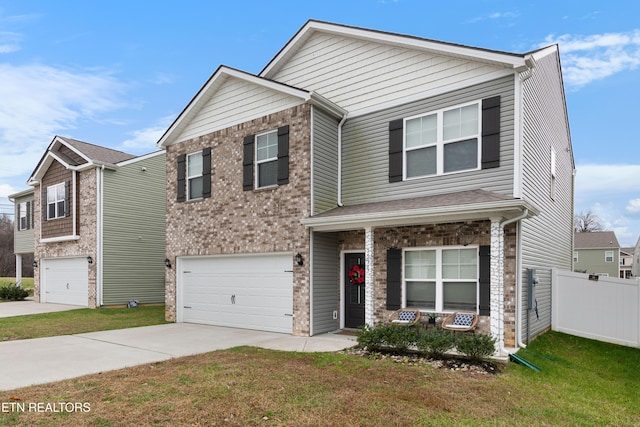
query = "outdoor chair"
{"x": 460, "y": 321}
{"x": 405, "y": 316}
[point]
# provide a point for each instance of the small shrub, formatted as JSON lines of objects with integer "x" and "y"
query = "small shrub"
{"x": 387, "y": 336}
{"x": 13, "y": 293}
{"x": 435, "y": 342}
{"x": 475, "y": 346}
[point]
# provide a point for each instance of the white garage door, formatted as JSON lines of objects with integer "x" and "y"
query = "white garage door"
{"x": 65, "y": 281}
{"x": 249, "y": 291}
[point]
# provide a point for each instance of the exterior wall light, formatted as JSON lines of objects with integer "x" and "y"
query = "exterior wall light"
{"x": 35, "y": 264}
{"x": 299, "y": 259}
{"x": 167, "y": 262}
{"x": 89, "y": 259}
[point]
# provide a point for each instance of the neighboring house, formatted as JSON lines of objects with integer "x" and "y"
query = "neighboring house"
{"x": 363, "y": 171}
{"x": 626, "y": 263}
{"x": 23, "y": 240}
{"x": 597, "y": 252}
{"x": 98, "y": 227}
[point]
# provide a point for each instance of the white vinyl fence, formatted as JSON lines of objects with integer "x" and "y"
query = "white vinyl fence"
{"x": 606, "y": 309}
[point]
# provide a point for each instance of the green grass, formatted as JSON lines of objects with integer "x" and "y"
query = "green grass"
{"x": 586, "y": 383}
{"x": 78, "y": 321}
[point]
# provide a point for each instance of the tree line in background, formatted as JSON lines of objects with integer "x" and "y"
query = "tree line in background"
{"x": 587, "y": 222}
{"x": 7, "y": 257}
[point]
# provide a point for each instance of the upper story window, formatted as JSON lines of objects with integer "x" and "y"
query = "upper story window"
{"x": 23, "y": 215}
{"x": 194, "y": 175}
{"x": 608, "y": 256}
{"x": 267, "y": 159}
{"x": 56, "y": 197}
{"x": 575, "y": 257}
{"x": 441, "y": 279}
{"x": 443, "y": 141}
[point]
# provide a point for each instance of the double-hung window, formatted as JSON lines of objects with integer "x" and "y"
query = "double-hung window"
{"x": 444, "y": 141}
{"x": 608, "y": 256}
{"x": 441, "y": 279}
{"x": 23, "y": 222}
{"x": 267, "y": 159}
{"x": 56, "y": 195}
{"x": 194, "y": 175}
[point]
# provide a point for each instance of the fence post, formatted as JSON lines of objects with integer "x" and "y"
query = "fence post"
{"x": 554, "y": 298}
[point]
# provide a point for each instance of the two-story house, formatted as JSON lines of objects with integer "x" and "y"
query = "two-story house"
{"x": 96, "y": 219}
{"x": 597, "y": 252}
{"x": 626, "y": 262}
{"x": 363, "y": 171}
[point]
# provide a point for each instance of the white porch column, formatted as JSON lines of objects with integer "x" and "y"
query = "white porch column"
{"x": 369, "y": 316}
{"x": 497, "y": 282}
{"x": 19, "y": 270}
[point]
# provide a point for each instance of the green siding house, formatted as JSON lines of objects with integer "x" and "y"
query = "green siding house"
{"x": 597, "y": 253}
{"x": 97, "y": 225}
{"x": 23, "y": 228}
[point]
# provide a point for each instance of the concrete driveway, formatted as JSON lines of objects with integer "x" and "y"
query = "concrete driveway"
{"x": 43, "y": 360}
{"x": 28, "y": 306}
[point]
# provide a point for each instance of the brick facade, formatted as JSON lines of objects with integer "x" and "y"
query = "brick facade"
{"x": 233, "y": 221}
{"x": 86, "y": 218}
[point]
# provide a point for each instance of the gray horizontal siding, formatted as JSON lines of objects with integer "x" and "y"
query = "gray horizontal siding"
{"x": 547, "y": 239}
{"x": 23, "y": 240}
{"x": 366, "y": 148}
{"x": 326, "y": 282}
{"x": 325, "y": 161}
{"x": 134, "y": 232}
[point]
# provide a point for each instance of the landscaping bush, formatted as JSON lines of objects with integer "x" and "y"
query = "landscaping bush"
{"x": 435, "y": 342}
{"x": 387, "y": 336}
{"x": 475, "y": 346}
{"x": 13, "y": 293}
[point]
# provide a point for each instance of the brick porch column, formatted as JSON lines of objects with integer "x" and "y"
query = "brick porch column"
{"x": 497, "y": 282}
{"x": 369, "y": 317}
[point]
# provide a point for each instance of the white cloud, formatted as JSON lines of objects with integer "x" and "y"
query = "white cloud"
{"x": 594, "y": 57}
{"x": 39, "y": 101}
{"x": 9, "y": 42}
{"x": 633, "y": 207}
{"x": 144, "y": 140}
{"x": 607, "y": 178}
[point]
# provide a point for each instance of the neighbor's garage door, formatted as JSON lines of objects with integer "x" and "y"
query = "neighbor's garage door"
{"x": 249, "y": 291}
{"x": 66, "y": 281}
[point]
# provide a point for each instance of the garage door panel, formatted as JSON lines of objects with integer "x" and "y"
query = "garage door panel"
{"x": 252, "y": 291}
{"x": 66, "y": 281}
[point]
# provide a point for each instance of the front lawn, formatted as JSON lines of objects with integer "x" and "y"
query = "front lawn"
{"x": 582, "y": 382}
{"x": 78, "y": 321}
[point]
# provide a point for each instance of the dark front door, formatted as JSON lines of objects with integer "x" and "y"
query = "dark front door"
{"x": 354, "y": 290}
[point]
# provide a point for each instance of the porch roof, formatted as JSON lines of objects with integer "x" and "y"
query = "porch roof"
{"x": 450, "y": 207}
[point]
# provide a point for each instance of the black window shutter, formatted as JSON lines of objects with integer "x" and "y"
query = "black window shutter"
{"x": 491, "y": 132}
{"x": 394, "y": 279}
{"x": 485, "y": 280}
{"x": 67, "y": 198}
{"x": 206, "y": 172}
{"x": 247, "y": 163}
{"x": 395, "y": 150}
{"x": 44, "y": 205}
{"x": 283, "y": 155}
{"x": 182, "y": 178}
{"x": 29, "y": 209}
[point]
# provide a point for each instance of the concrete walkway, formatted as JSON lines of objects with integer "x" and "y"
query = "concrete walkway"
{"x": 43, "y": 360}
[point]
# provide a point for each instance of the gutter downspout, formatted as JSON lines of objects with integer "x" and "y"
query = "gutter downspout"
{"x": 524, "y": 214}
{"x": 344, "y": 119}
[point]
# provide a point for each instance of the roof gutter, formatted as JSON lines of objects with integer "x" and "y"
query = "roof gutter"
{"x": 344, "y": 119}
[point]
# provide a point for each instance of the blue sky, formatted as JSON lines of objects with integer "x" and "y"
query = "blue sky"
{"x": 116, "y": 73}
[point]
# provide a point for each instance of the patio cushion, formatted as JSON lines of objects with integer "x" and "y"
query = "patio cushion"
{"x": 463, "y": 320}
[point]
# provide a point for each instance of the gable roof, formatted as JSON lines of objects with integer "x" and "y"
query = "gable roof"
{"x": 506, "y": 59}
{"x": 596, "y": 240}
{"x": 218, "y": 80}
{"x": 76, "y": 155}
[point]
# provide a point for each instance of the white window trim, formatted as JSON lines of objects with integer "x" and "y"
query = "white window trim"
{"x": 440, "y": 143}
{"x": 55, "y": 203}
{"x": 22, "y": 213}
{"x": 439, "y": 279}
{"x": 256, "y": 171}
{"x": 606, "y": 256}
{"x": 575, "y": 256}
{"x": 190, "y": 177}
